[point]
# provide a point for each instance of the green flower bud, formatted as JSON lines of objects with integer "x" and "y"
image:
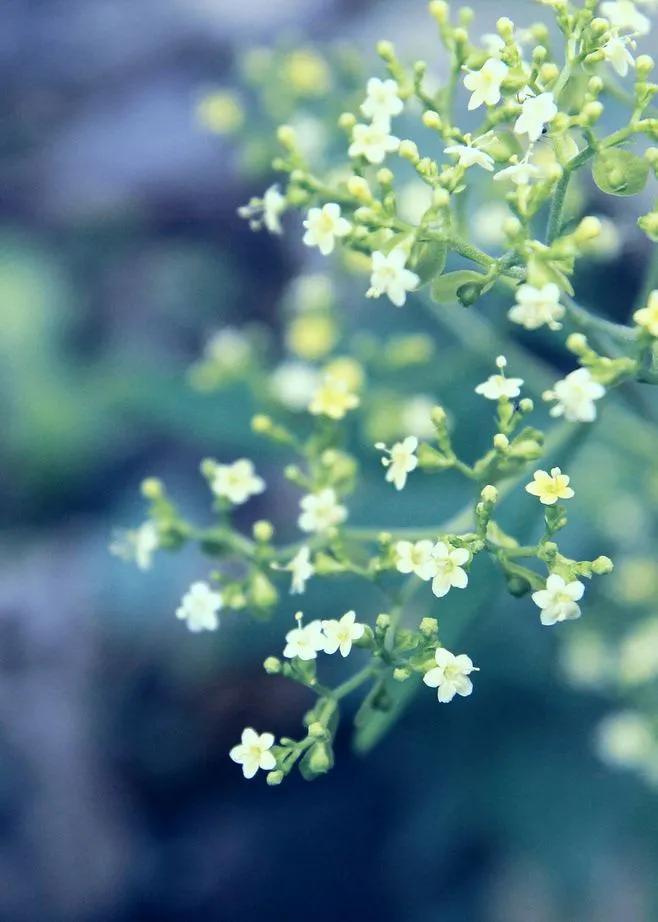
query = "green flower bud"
{"x": 401, "y": 673}
{"x": 152, "y": 488}
{"x": 409, "y": 151}
{"x": 317, "y": 730}
{"x": 429, "y": 627}
{"x": 385, "y": 176}
{"x": 602, "y": 565}
{"x": 359, "y": 188}
{"x": 500, "y": 442}
{"x": 261, "y": 423}
{"x": 386, "y": 51}
{"x": 272, "y": 665}
{"x": 432, "y": 119}
{"x": 346, "y": 121}
{"x": 383, "y": 622}
{"x": 263, "y": 531}
{"x": 644, "y": 65}
{"x": 440, "y": 10}
{"x": 489, "y": 494}
{"x": 274, "y": 778}
{"x": 286, "y": 137}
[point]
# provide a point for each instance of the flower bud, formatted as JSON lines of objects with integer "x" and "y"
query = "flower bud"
{"x": 644, "y": 65}
{"x": 439, "y": 10}
{"x": 261, "y": 423}
{"x": 317, "y": 730}
{"x": 386, "y": 51}
{"x": 505, "y": 27}
{"x": 286, "y": 137}
{"x": 441, "y": 198}
{"x": 385, "y": 176}
{"x": 272, "y": 665}
{"x": 549, "y": 72}
{"x": 588, "y": 229}
{"x": 274, "y": 778}
{"x": 152, "y": 488}
{"x": 500, "y": 441}
{"x": 592, "y": 112}
{"x": 599, "y": 26}
{"x": 577, "y": 343}
{"x": 489, "y": 494}
{"x": 602, "y": 565}
{"x": 439, "y": 416}
{"x": 429, "y": 627}
{"x": 401, "y": 673}
{"x": 526, "y": 405}
{"x": 383, "y": 622}
{"x": 432, "y": 119}
{"x": 263, "y": 531}
{"x": 359, "y": 188}
{"x": 346, "y": 121}
{"x": 409, "y": 150}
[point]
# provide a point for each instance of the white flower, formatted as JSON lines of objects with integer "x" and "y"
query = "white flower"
{"x": 558, "y": 601}
{"x": 625, "y": 739}
{"x": 199, "y": 607}
{"x": 333, "y": 398}
{"x": 617, "y": 52}
{"x": 493, "y": 43}
{"x": 416, "y": 416}
{"x": 624, "y": 15}
{"x": 301, "y": 570}
{"x": 415, "y": 557}
{"x": 497, "y": 386}
{"x": 485, "y": 83}
{"x": 293, "y": 384}
{"x": 391, "y": 277}
{"x": 236, "y": 482}
{"x": 340, "y": 634}
{"x": 536, "y": 111}
{"x": 253, "y": 752}
{"x": 489, "y": 221}
{"x": 575, "y": 396}
{"x": 450, "y": 675}
{"x": 372, "y": 142}
{"x": 323, "y": 225}
{"x": 266, "y": 211}
{"x": 469, "y": 155}
{"x": 449, "y": 562}
{"x": 537, "y": 306}
{"x": 304, "y": 642}
{"x": 137, "y": 545}
{"x": 401, "y": 460}
{"x": 521, "y": 173}
{"x": 321, "y": 511}
{"x": 549, "y": 488}
{"x": 382, "y": 101}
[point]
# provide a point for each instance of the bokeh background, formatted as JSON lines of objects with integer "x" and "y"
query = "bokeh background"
{"x": 120, "y": 254}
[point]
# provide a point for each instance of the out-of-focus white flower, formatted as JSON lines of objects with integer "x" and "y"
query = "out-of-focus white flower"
{"x": 488, "y": 223}
{"x": 485, "y": 83}
{"x": 450, "y": 676}
{"x": 199, "y": 607}
{"x": 449, "y": 562}
{"x": 413, "y": 200}
{"x": 618, "y": 53}
{"x": 228, "y": 349}
{"x": 373, "y": 142}
{"x": 575, "y": 396}
{"x": 382, "y": 102}
{"x": 236, "y": 482}
{"x": 537, "y": 306}
{"x": 625, "y": 16}
{"x": 400, "y": 460}
{"x": 586, "y": 660}
{"x": 625, "y": 740}
{"x": 416, "y": 416}
{"x": 391, "y": 277}
{"x": 638, "y": 656}
{"x": 549, "y": 488}
{"x": 323, "y": 226}
{"x": 497, "y": 386}
{"x": 137, "y": 545}
{"x": 293, "y": 384}
{"x": 304, "y": 642}
{"x": 253, "y": 752}
{"x": 333, "y": 398}
{"x": 521, "y": 173}
{"x": 536, "y": 111}
{"x": 321, "y": 511}
{"x": 558, "y": 601}
{"x": 301, "y": 570}
{"x": 469, "y": 155}
{"x": 415, "y": 557}
{"x": 265, "y": 211}
{"x": 340, "y": 634}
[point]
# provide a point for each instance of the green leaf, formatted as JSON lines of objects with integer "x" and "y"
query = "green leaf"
{"x": 501, "y": 146}
{"x": 428, "y": 259}
{"x": 619, "y": 172}
{"x": 317, "y": 760}
{"x": 445, "y": 288}
{"x": 374, "y": 724}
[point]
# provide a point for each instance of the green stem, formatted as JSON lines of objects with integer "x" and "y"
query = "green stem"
{"x": 351, "y": 684}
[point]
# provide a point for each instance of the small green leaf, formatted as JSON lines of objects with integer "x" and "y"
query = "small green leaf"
{"x": 317, "y": 760}
{"x": 375, "y": 723}
{"x": 428, "y": 259}
{"x": 446, "y": 288}
{"x": 619, "y": 172}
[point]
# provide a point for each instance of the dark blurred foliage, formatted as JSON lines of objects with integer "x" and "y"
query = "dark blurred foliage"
{"x": 119, "y": 252}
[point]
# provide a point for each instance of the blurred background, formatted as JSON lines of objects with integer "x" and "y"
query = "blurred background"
{"x": 132, "y": 132}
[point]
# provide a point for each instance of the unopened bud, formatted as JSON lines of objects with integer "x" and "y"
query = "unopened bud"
{"x": 272, "y": 665}
{"x": 152, "y": 488}
{"x": 602, "y": 565}
{"x": 500, "y": 441}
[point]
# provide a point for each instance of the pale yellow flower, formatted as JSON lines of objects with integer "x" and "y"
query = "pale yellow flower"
{"x": 549, "y": 488}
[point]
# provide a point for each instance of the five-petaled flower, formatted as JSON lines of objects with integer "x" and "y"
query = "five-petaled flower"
{"x": 236, "y": 482}
{"x": 647, "y": 317}
{"x": 333, "y": 398}
{"x": 450, "y": 676}
{"x": 549, "y": 488}
{"x": 323, "y": 226}
{"x": 373, "y": 142}
{"x": 537, "y": 306}
{"x": 485, "y": 83}
{"x": 382, "y": 101}
{"x": 321, "y": 511}
{"x": 469, "y": 155}
{"x": 253, "y": 752}
{"x": 391, "y": 277}
{"x": 400, "y": 460}
{"x": 497, "y": 386}
{"x": 575, "y": 396}
{"x": 449, "y": 573}
{"x": 536, "y": 111}
{"x": 341, "y": 633}
{"x": 199, "y": 607}
{"x": 415, "y": 557}
{"x": 559, "y": 600}
{"x": 304, "y": 641}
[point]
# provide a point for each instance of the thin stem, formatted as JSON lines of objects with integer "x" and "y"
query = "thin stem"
{"x": 351, "y": 684}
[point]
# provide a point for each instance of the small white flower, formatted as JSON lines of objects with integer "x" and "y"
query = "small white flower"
{"x": 401, "y": 460}
{"x": 382, "y": 101}
{"x": 416, "y": 416}
{"x": 340, "y": 634}
{"x": 497, "y": 386}
{"x": 415, "y": 557}
{"x": 575, "y": 396}
{"x": 625, "y": 739}
{"x": 617, "y": 53}
{"x": 321, "y": 511}
{"x": 236, "y": 482}
{"x": 521, "y": 173}
{"x": 373, "y": 142}
{"x": 304, "y": 642}
{"x": 253, "y": 752}
{"x": 449, "y": 562}
{"x": 624, "y": 15}
{"x": 537, "y": 306}
{"x": 137, "y": 545}
{"x": 333, "y": 398}
{"x": 488, "y": 223}
{"x": 485, "y": 83}
{"x": 228, "y": 349}
{"x": 549, "y": 488}
{"x": 536, "y": 111}
{"x": 301, "y": 570}
{"x": 265, "y": 211}
{"x": 391, "y": 277}
{"x": 450, "y": 675}
{"x": 468, "y": 155}
{"x": 323, "y": 226}
{"x": 558, "y": 601}
{"x": 293, "y": 384}
{"x": 199, "y": 607}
